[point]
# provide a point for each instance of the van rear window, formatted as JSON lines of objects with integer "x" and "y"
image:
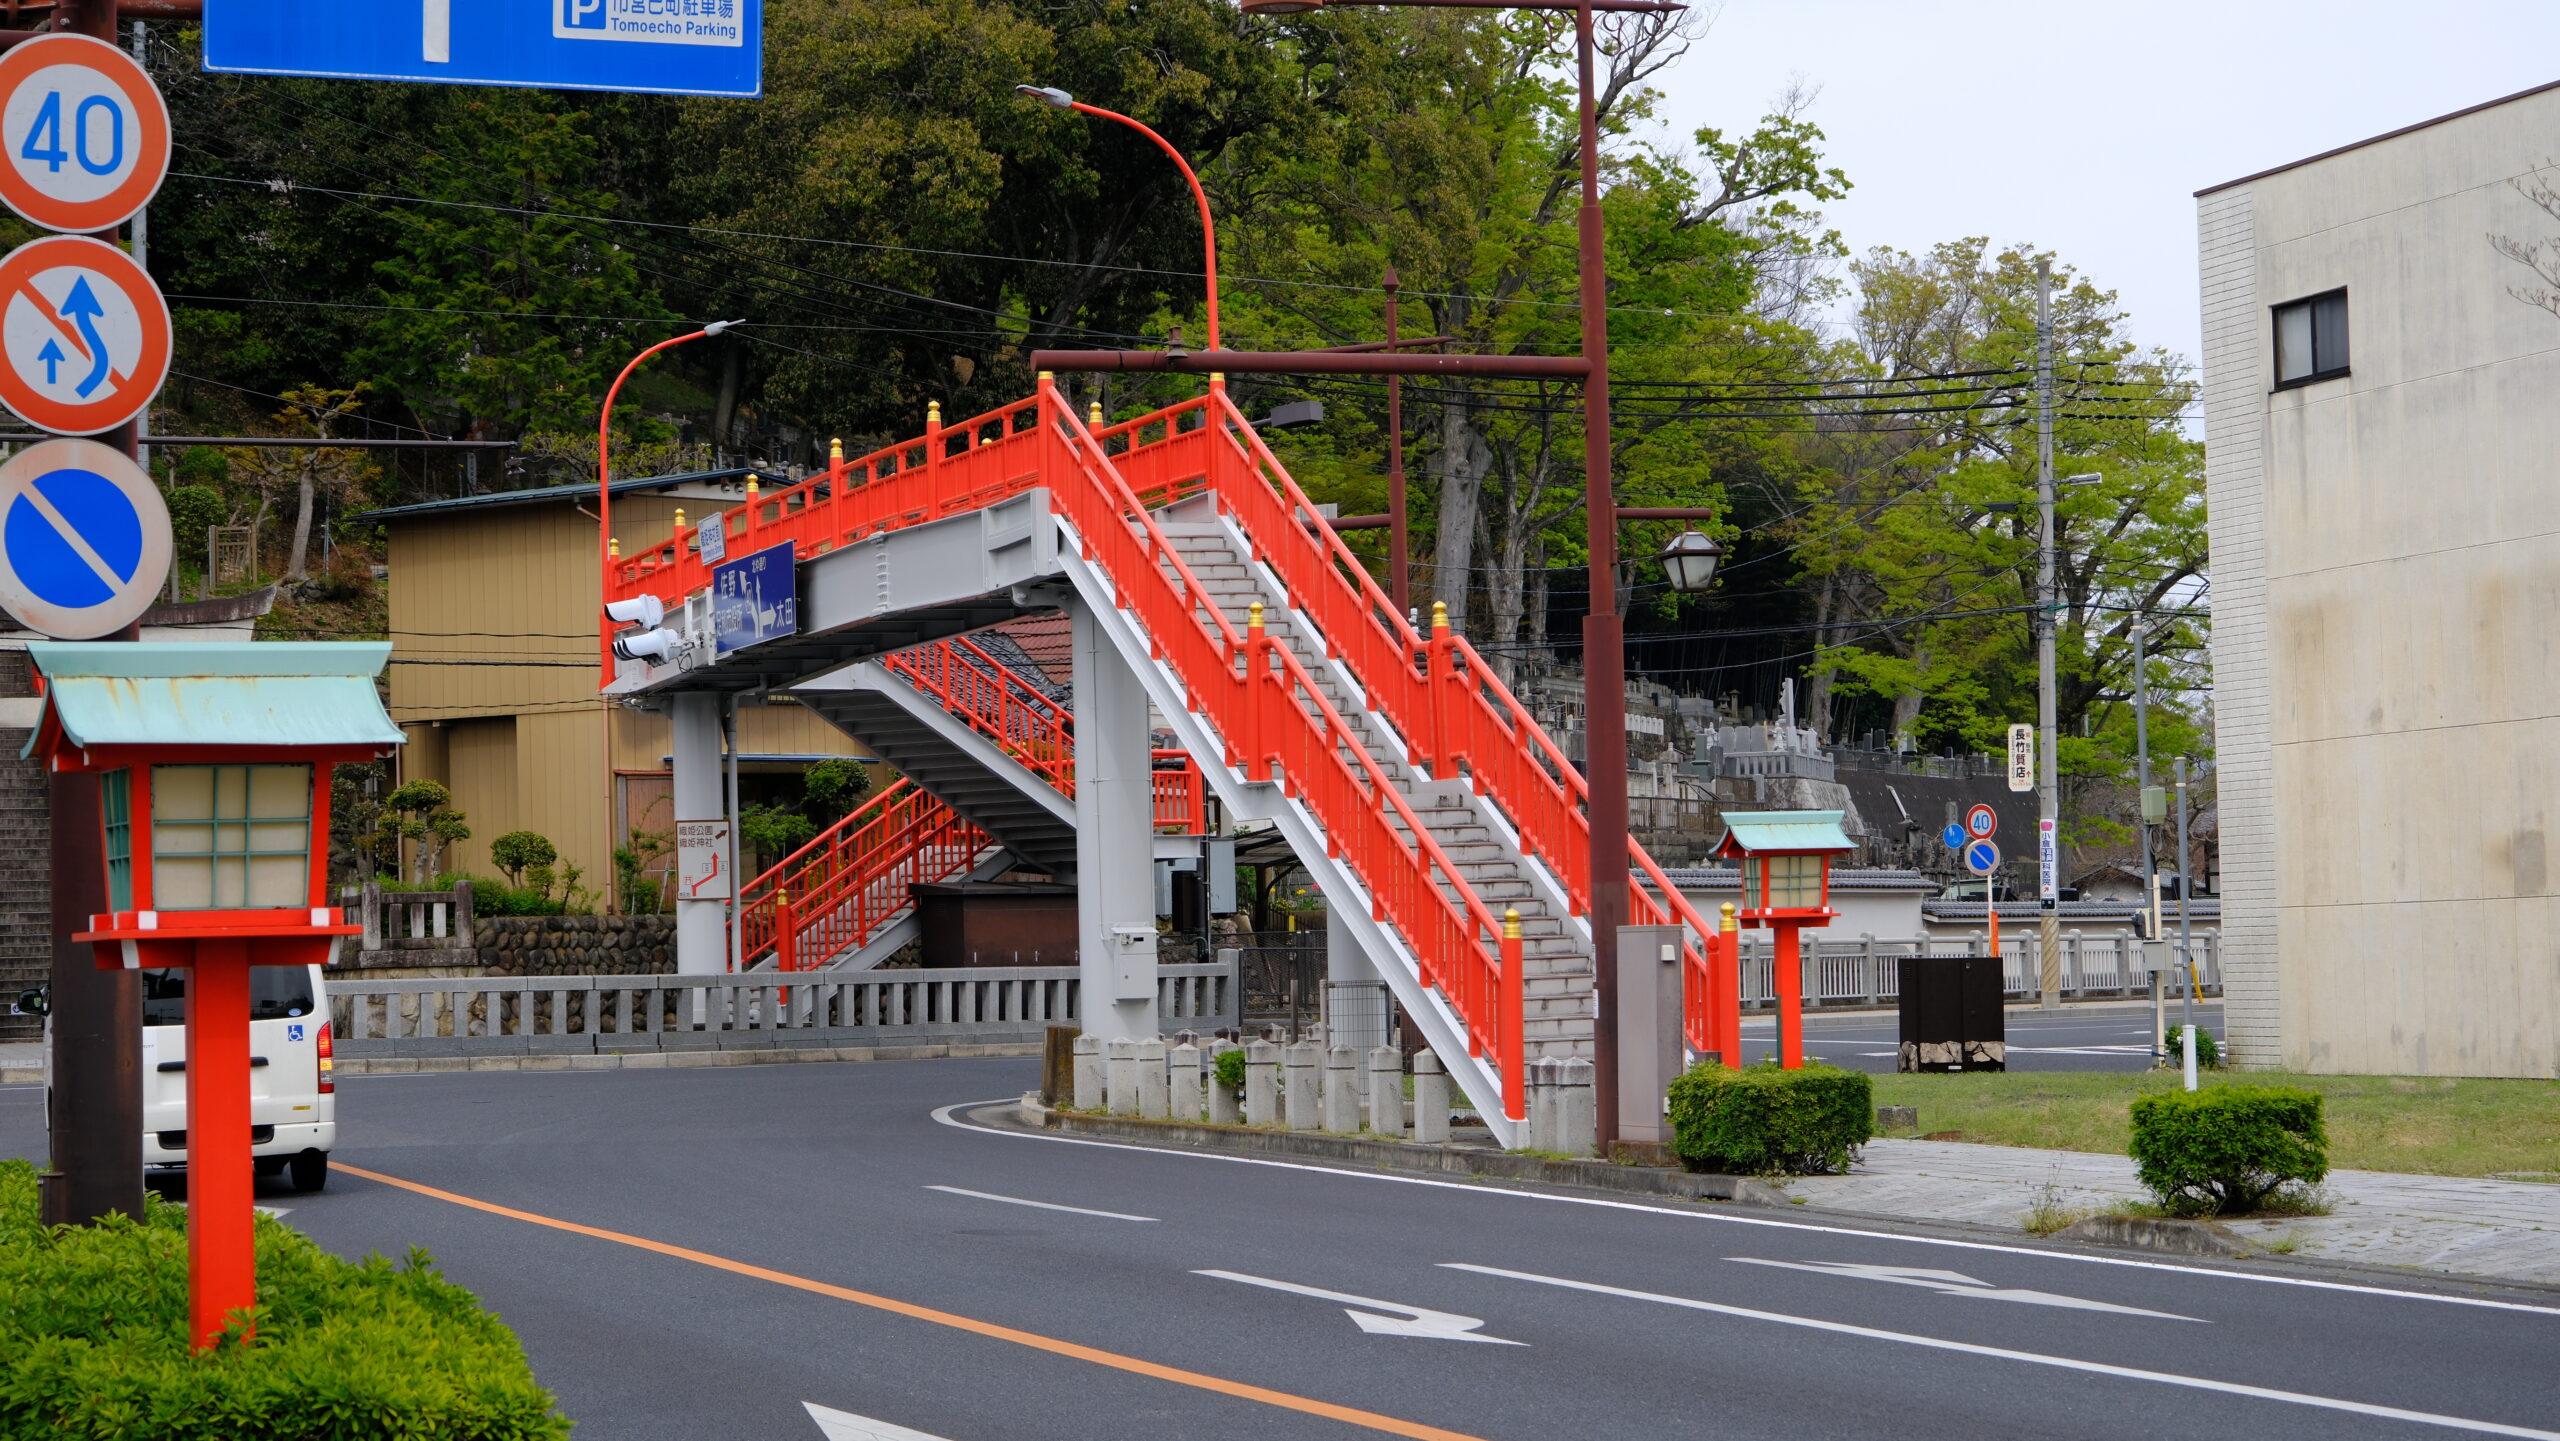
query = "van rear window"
{"x": 275, "y": 993}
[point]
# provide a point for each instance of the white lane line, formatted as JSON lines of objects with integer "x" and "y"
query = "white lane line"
{"x": 944, "y": 1114}
{"x": 2031, "y": 1358}
{"x": 845, "y": 1426}
{"x": 1039, "y": 1205}
{"x": 1957, "y": 1283}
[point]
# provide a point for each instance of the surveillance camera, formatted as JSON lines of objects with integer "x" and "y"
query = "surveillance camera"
{"x": 654, "y": 646}
{"x": 644, "y": 609}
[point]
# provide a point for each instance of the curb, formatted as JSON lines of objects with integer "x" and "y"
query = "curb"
{"x": 2146, "y": 1233}
{"x": 1408, "y": 1156}
{"x": 666, "y": 1060}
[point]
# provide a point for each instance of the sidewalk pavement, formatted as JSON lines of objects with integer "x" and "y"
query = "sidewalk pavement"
{"x": 2509, "y": 1230}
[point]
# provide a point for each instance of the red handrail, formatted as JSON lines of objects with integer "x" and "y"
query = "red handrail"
{"x": 996, "y": 702}
{"x": 855, "y": 877}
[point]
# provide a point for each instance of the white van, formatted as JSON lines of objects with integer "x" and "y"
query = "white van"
{"x": 293, "y": 1108}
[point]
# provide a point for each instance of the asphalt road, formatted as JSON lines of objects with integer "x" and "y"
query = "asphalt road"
{"x": 834, "y": 1235}
{"x": 2075, "y": 1038}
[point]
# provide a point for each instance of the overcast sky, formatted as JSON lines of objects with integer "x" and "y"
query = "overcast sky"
{"x": 2087, "y": 128}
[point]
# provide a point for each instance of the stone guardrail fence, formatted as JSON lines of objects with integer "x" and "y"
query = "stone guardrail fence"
{"x": 1865, "y": 971}
{"x": 412, "y": 920}
{"x": 609, "y": 1015}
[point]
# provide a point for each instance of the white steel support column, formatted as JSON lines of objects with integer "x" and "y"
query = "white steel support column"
{"x": 1115, "y": 827}
{"x": 702, "y": 933}
{"x": 1355, "y": 994}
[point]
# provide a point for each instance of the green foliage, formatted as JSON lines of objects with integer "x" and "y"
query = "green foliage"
{"x": 1230, "y": 1067}
{"x": 641, "y": 895}
{"x": 1765, "y": 1121}
{"x": 194, "y": 509}
{"x": 517, "y": 850}
{"x": 493, "y": 897}
{"x": 93, "y": 1321}
{"x": 831, "y": 789}
{"x": 773, "y": 832}
{"x": 2208, "y": 1050}
{"x": 2226, "y": 1149}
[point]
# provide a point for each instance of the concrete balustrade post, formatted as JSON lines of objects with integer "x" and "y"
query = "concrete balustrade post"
{"x": 1430, "y": 1100}
{"x": 1120, "y": 1076}
{"x": 1088, "y": 1068}
{"x": 1577, "y": 1108}
{"x": 1342, "y": 1091}
{"x": 1262, "y": 1084}
{"x": 1182, "y": 1069}
{"x": 1298, "y": 1100}
{"x": 1386, "y": 1091}
{"x": 1154, "y": 1100}
{"x": 1542, "y": 1106}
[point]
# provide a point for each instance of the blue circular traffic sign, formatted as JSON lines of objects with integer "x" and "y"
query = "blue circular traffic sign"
{"x": 1953, "y": 836}
{"x": 84, "y": 539}
{"x": 1982, "y": 857}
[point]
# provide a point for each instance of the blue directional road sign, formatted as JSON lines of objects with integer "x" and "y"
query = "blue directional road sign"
{"x": 1982, "y": 857}
{"x": 754, "y": 599}
{"x": 1954, "y": 837}
{"x": 84, "y": 539}
{"x": 669, "y": 47}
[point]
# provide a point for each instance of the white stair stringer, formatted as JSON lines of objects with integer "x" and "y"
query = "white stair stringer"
{"x": 1349, "y": 899}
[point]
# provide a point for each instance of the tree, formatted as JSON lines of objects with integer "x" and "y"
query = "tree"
{"x": 831, "y": 789}
{"x": 517, "y": 851}
{"x": 427, "y": 818}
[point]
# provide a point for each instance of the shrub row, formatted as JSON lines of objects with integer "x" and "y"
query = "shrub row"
{"x": 1764, "y": 1121}
{"x": 93, "y": 1326}
{"x": 2228, "y": 1148}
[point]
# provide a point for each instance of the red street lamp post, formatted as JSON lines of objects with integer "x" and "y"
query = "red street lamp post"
{"x": 604, "y": 487}
{"x": 1051, "y": 95}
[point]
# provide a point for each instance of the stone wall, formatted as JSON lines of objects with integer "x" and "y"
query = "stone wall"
{"x": 26, "y": 862}
{"x": 575, "y": 945}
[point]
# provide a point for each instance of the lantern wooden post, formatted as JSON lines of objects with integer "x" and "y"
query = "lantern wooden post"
{"x": 1758, "y": 841}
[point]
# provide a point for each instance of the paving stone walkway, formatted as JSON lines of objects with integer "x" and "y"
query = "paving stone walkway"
{"x": 2504, "y": 1229}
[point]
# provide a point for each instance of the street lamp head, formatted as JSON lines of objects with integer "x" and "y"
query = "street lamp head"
{"x": 1049, "y": 95}
{"x": 2086, "y": 477}
{"x": 717, "y": 326}
{"x": 1278, "y": 7}
{"x": 1689, "y": 562}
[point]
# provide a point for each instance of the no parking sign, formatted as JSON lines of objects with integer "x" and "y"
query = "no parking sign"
{"x": 84, "y": 539}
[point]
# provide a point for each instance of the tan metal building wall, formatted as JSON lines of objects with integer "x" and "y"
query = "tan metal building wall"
{"x": 493, "y": 676}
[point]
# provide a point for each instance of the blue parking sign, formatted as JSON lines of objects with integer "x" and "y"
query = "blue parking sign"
{"x": 668, "y": 47}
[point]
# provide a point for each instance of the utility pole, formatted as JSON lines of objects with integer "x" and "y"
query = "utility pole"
{"x": 2186, "y": 918}
{"x": 2142, "y": 800}
{"x": 1400, "y": 536}
{"x": 2048, "y": 791}
{"x": 93, "y": 1095}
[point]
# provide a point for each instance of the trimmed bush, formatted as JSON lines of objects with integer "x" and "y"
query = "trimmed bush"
{"x": 93, "y": 1321}
{"x": 2208, "y": 1050}
{"x": 1764, "y": 1121}
{"x": 2226, "y": 1149}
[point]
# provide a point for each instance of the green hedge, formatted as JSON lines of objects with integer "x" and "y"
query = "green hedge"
{"x": 2226, "y": 1149}
{"x": 1770, "y": 1122}
{"x": 93, "y": 1326}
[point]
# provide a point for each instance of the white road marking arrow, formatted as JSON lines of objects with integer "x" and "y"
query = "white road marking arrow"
{"x": 1439, "y": 1325}
{"x": 1956, "y": 1283}
{"x": 845, "y": 1426}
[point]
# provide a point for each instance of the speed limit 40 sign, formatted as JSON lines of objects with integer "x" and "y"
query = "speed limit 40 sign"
{"x": 84, "y": 135}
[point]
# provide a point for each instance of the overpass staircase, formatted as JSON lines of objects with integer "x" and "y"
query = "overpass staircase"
{"x": 1413, "y": 786}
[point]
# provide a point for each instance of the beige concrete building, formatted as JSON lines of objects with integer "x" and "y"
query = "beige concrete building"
{"x": 2380, "y": 422}
{"x": 493, "y": 669}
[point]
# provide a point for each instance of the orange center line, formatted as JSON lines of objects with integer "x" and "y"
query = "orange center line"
{"x": 1349, "y": 1415}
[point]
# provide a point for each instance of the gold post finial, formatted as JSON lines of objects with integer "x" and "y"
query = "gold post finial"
{"x": 751, "y": 488}
{"x": 613, "y": 547}
{"x": 835, "y": 451}
{"x": 1048, "y": 376}
{"x": 1439, "y": 615}
{"x": 1511, "y": 923}
{"x": 1093, "y": 413}
{"x": 1217, "y": 377}
{"x": 1730, "y": 923}
{"x": 933, "y": 412}
{"x": 1253, "y": 616}
{"x": 679, "y": 517}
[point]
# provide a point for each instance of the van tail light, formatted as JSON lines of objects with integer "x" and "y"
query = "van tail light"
{"x": 328, "y": 1061}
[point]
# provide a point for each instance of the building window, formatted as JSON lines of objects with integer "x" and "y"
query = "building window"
{"x": 2311, "y": 339}
{"x": 225, "y": 837}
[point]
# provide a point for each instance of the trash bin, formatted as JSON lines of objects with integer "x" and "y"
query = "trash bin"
{"x": 1952, "y": 1018}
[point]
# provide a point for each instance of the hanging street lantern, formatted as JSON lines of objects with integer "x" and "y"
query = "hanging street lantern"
{"x": 1689, "y": 562}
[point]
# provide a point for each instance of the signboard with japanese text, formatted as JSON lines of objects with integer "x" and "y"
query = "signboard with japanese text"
{"x": 664, "y": 47}
{"x": 2022, "y": 758}
{"x": 702, "y": 861}
{"x": 2048, "y": 863}
{"x": 754, "y": 599}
